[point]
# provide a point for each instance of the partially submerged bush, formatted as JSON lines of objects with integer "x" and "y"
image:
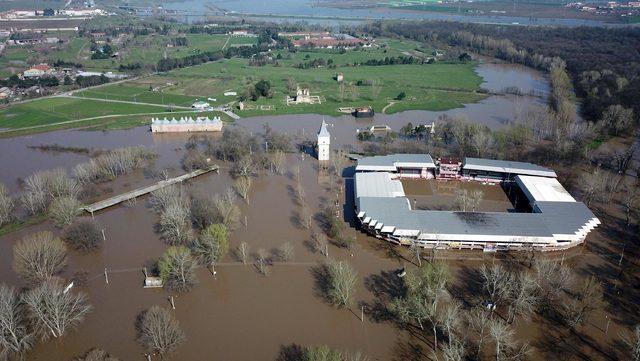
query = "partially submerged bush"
{"x": 83, "y": 235}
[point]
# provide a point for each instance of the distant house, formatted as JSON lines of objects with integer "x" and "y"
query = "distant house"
{"x": 230, "y": 94}
{"x": 340, "y": 77}
{"x": 200, "y": 105}
{"x": 36, "y": 71}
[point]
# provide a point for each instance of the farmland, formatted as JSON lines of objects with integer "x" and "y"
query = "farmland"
{"x": 437, "y": 86}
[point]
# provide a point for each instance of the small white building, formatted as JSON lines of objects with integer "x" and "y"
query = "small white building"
{"x": 200, "y": 105}
{"x": 324, "y": 140}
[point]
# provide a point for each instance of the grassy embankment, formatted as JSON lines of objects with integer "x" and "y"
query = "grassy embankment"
{"x": 62, "y": 113}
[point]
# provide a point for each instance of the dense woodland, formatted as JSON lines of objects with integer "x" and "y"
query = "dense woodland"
{"x": 604, "y": 63}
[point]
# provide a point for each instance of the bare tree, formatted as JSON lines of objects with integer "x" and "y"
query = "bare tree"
{"x": 552, "y": 278}
{"x": 632, "y": 342}
{"x": 587, "y": 300}
{"x": 96, "y": 355}
{"x": 53, "y": 309}
{"x": 277, "y": 159}
{"x": 212, "y": 245}
{"x": 227, "y": 210}
{"x": 452, "y": 320}
{"x": 522, "y": 297}
{"x": 630, "y": 201}
{"x": 342, "y": 282}
{"x": 6, "y": 206}
{"x": 175, "y": 225}
{"x": 83, "y": 235}
{"x": 286, "y": 252}
{"x": 478, "y": 321}
{"x": 243, "y": 251}
{"x": 263, "y": 261}
{"x": 159, "y": 332}
{"x": 64, "y": 210}
{"x": 38, "y": 257}
{"x": 245, "y": 167}
{"x": 177, "y": 268}
{"x": 242, "y": 186}
{"x": 306, "y": 218}
{"x": 320, "y": 243}
{"x": 475, "y": 198}
{"x": 165, "y": 196}
{"x": 16, "y": 336}
{"x": 502, "y": 336}
{"x": 453, "y": 352}
{"x": 292, "y": 85}
{"x": 415, "y": 249}
{"x": 483, "y": 142}
{"x": 496, "y": 281}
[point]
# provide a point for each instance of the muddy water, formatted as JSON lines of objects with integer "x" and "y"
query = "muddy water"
{"x": 241, "y": 315}
{"x": 440, "y": 195}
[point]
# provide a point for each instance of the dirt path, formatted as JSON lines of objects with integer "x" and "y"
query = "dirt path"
{"x": 226, "y": 43}
{"x": 124, "y": 101}
{"x": 384, "y": 110}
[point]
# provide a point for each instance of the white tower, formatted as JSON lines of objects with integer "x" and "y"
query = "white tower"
{"x": 324, "y": 139}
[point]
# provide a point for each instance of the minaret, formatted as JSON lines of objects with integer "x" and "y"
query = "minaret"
{"x": 324, "y": 139}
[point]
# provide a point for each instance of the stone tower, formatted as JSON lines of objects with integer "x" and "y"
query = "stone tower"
{"x": 324, "y": 139}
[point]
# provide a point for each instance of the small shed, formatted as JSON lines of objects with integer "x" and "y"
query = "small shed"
{"x": 153, "y": 282}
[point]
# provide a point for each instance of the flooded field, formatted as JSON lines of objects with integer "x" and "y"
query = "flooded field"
{"x": 242, "y": 315}
{"x": 440, "y": 195}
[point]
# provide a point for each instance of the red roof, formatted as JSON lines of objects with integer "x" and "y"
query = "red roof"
{"x": 42, "y": 67}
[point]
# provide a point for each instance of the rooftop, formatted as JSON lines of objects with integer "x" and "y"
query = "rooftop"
{"x": 507, "y": 166}
{"x": 323, "y": 132}
{"x": 393, "y": 161}
{"x": 543, "y": 189}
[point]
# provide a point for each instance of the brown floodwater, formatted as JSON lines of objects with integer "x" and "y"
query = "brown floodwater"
{"x": 242, "y": 315}
{"x": 440, "y": 195}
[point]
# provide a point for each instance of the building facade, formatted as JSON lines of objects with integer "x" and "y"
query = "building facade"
{"x": 185, "y": 125}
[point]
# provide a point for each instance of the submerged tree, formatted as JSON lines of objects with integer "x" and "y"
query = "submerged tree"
{"x": 342, "y": 281}
{"x": 84, "y": 235}
{"x": 16, "y": 336}
{"x": 632, "y": 343}
{"x": 54, "y": 309}
{"x": 6, "y": 206}
{"x": 64, "y": 210}
{"x": 242, "y": 186}
{"x": 177, "y": 268}
{"x": 424, "y": 288}
{"x": 212, "y": 245}
{"x": 159, "y": 332}
{"x": 227, "y": 210}
{"x": 38, "y": 257}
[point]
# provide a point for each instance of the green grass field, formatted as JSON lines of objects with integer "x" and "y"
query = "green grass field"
{"x": 55, "y": 110}
{"x": 437, "y": 86}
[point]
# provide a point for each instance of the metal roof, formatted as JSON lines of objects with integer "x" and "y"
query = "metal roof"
{"x": 323, "y": 132}
{"x": 377, "y": 185}
{"x": 393, "y": 161}
{"x": 556, "y": 218}
{"x": 507, "y": 166}
{"x": 543, "y": 189}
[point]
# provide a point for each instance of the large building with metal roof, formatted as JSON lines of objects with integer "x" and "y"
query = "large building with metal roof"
{"x": 557, "y": 220}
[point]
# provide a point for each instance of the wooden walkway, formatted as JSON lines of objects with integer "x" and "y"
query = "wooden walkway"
{"x": 109, "y": 202}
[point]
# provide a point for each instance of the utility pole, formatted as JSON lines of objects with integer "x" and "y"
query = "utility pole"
{"x": 103, "y": 236}
{"x": 106, "y": 275}
{"x": 173, "y": 304}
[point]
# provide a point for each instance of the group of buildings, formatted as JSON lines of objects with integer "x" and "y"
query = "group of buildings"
{"x": 554, "y": 220}
{"x": 323, "y": 39}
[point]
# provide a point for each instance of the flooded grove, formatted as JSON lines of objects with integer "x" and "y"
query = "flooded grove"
{"x": 240, "y": 315}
